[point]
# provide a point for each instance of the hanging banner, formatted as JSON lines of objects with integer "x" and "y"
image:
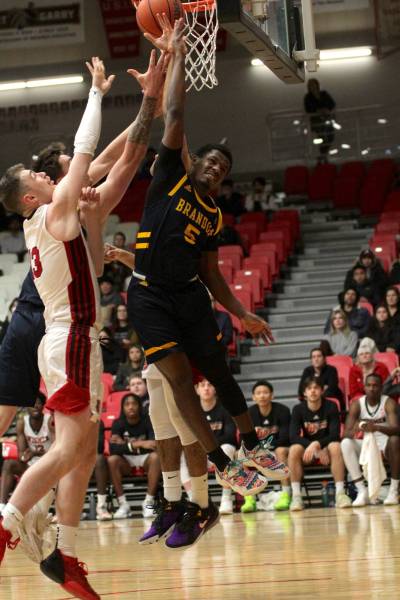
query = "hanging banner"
{"x": 41, "y": 23}
{"x": 320, "y": 6}
{"x": 123, "y": 34}
{"x": 387, "y": 22}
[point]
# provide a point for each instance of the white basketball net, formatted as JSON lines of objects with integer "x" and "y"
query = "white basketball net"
{"x": 201, "y": 41}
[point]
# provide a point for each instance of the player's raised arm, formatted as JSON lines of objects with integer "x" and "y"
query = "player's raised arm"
{"x": 62, "y": 219}
{"x": 175, "y": 93}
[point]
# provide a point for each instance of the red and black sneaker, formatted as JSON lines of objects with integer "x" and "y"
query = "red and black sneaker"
{"x": 5, "y": 540}
{"x": 70, "y": 574}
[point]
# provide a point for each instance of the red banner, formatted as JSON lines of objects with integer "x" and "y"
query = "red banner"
{"x": 123, "y": 34}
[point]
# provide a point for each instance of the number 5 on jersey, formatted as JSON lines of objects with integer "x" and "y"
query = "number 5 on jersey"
{"x": 190, "y": 234}
{"x": 37, "y": 268}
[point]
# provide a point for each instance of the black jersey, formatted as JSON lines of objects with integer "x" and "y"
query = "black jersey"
{"x": 177, "y": 225}
{"x": 275, "y": 424}
{"x": 29, "y": 296}
{"x": 322, "y": 425}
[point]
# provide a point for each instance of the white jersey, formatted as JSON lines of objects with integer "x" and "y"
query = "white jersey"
{"x": 377, "y": 414}
{"x": 64, "y": 275}
{"x": 37, "y": 440}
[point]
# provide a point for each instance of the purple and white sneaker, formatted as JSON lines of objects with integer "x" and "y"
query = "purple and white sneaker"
{"x": 167, "y": 515}
{"x": 265, "y": 461}
{"x": 192, "y": 526}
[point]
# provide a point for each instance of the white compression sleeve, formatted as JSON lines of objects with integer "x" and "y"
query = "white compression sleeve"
{"x": 88, "y": 133}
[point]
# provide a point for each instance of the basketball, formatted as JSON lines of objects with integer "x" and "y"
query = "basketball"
{"x": 148, "y": 9}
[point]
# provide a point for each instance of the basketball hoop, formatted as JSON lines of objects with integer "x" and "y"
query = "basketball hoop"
{"x": 201, "y": 18}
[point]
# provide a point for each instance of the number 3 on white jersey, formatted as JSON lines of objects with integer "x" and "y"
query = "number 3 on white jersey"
{"x": 36, "y": 265}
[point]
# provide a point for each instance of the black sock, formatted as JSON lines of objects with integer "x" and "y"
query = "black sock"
{"x": 219, "y": 458}
{"x": 250, "y": 439}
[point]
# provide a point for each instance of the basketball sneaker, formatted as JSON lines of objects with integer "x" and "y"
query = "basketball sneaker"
{"x": 32, "y": 532}
{"x": 283, "y": 502}
{"x": 240, "y": 479}
{"x": 192, "y": 526}
{"x": 102, "y": 513}
{"x": 265, "y": 461}
{"x": 226, "y": 505}
{"x": 5, "y": 540}
{"x": 124, "y": 512}
{"x": 249, "y": 505}
{"x": 70, "y": 574}
{"x": 167, "y": 514}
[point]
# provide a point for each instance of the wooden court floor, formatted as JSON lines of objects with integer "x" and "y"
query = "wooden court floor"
{"x": 316, "y": 554}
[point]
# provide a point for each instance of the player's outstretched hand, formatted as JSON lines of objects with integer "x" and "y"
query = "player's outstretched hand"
{"x": 98, "y": 73}
{"x": 258, "y": 328}
{"x": 111, "y": 253}
{"x": 162, "y": 42}
{"x": 177, "y": 42}
{"x": 88, "y": 203}
{"x": 152, "y": 82}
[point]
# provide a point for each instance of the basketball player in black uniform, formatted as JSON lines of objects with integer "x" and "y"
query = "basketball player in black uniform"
{"x": 169, "y": 305}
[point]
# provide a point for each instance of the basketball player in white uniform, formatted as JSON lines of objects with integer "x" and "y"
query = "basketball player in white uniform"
{"x": 69, "y": 354}
{"x": 378, "y": 414}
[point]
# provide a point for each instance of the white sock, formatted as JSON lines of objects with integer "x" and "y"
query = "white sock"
{"x": 172, "y": 485}
{"x": 199, "y": 491}
{"x": 149, "y": 500}
{"x": 122, "y": 500}
{"x": 394, "y": 486}
{"x": 360, "y": 487}
{"x": 296, "y": 488}
{"x": 11, "y": 518}
{"x": 66, "y": 539}
{"x": 286, "y": 488}
{"x": 101, "y": 499}
{"x": 339, "y": 487}
{"x": 226, "y": 493}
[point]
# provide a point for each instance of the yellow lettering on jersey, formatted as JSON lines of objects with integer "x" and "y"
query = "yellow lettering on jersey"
{"x": 195, "y": 215}
{"x": 198, "y": 218}
{"x": 180, "y": 205}
{"x": 187, "y": 209}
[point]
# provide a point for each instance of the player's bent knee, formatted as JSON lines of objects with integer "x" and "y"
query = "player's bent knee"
{"x": 334, "y": 448}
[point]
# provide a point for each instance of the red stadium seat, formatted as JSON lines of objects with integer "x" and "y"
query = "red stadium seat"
{"x": 320, "y": 185}
{"x": 372, "y": 195}
{"x": 228, "y": 219}
{"x": 346, "y": 192}
{"x": 253, "y": 277}
{"x": 242, "y": 291}
{"x": 273, "y": 234}
{"x": 387, "y": 227}
{"x": 269, "y": 257}
{"x": 276, "y": 245}
{"x": 255, "y": 217}
{"x": 250, "y": 230}
{"x": 227, "y": 272}
{"x": 392, "y": 201}
{"x": 113, "y": 401}
{"x": 384, "y": 247}
{"x": 263, "y": 265}
{"x": 288, "y": 215}
{"x": 234, "y": 253}
{"x": 353, "y": 168}
{"x": 296, "y": 181}
{"x": 107, "y": 380}
{"x": 390, "y": 359}
{"x": 343, "y": 365}
{"x": 383, "y": 168}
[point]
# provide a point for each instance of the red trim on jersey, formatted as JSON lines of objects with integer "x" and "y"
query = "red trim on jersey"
{"x": 69, "y": 399}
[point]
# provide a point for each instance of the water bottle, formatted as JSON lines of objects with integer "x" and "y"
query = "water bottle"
{"x": 324, "y": 494}
{"x": 331, "y": 494}
{"x": 92, "y": 507}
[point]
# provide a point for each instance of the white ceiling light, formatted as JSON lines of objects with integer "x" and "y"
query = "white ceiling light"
{"x": 382, "y": 121}
{"x": 333, "y": 151}
{"x": 365, "y": 151}
{"x": 256, "y": 62}
{"x": 345, "y": 146}
{"x": 345, "y": 53}
{"x": 317, "y": 141}
{"x": 33, "y": 83}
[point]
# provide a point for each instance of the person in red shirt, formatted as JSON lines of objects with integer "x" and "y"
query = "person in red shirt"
{"x": 365, "y": 365}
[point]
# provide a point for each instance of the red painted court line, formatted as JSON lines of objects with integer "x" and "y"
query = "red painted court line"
{"x": 211, "y": 585}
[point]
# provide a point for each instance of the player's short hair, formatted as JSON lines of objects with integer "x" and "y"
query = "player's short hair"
{"x": 121, "y": 233}
{"x": 47, "y": 160}
{"x": 317, "y": 349}
{"x": 264, "y": 383}
{"x": 12, "y": 189}
{"x": 220, "y": 148}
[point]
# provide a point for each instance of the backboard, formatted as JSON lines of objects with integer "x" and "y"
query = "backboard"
{"x": 275, "y": 36}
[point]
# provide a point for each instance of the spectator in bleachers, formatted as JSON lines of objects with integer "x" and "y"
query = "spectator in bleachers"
{"x": 391, "y": 387}
{"x": 327, "y": 375}
{"x": 373, "y": 413}
{"x": 392, "y": 303}
{"x": 35, "y": 433}
{"x": 138, "y": 387}
{"x": 358, "y": 318}
{"x": 114, "y": 269}
{"x": 320, "y": 106}
{"x": 119, "y": 240}
{"x": 360, "y": 282}
{"x": 224, "y": 323}
{"x": 272, "y": 419}
{"x": 259, "y": 199}
{"x": 131, "y": 367}
{"x": 376, "y": 274}
{"x": 315, "y": 436}
{"x": 14, "y": 242}
{"x": 340, "y": 337}
{"x": 4, "y": 325}
{"x": 112, "y": 352}
{"x": 102, "y": 476}
{"x": 394, "y": 275}
{"x": 144, "y": 171}
{"x": 365, "y": 365}
{"x": 109, "y": 300}
{"x": 381, "y": 330}
{"x": 132, "y": 444}
{"x": 123, "y": 332}
{"x": 229, "y": 201}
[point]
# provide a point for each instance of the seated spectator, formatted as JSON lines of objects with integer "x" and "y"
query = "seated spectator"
{"x": 391, "y": 386}
{"x": 373, "y": 413}
{"x": 315, "y": 436}
{"x": 340, "y": 337}
{"x": 364, "y": 287}
{"x": 327, "y": 375}
{"x": 4, "y": 324}
{"x": 229, "y": 201}
{"x": 272, "y": 419}
{"x": 394, "y": 275}
{"x": 259, "y": 198}
{"x": 123, "y": 332}
{"x": 138, "y": 387}
{"x": 119, "y": 240}
{"x": 376, "y": 274}
{"x": 380, "y": 329}
{"x": 109, "y": 300}
{"x": 358, "y": 318}
{"x": 392, "y": 303}
{"x": 132, "y": 444}
{"x": 102, "y": 476}
{"x": 115, "y": 270}
{"x": 365, "y": 365}
{"x": 14, "y": 242}
{"x": 224, "y": 323}
{"x": 131, "y": 367}
{"x": 112, "y": 352}
{"x": 35, "y": 434}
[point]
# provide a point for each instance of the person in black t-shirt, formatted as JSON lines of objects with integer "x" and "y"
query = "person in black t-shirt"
{"x": 132, "y": 444}
{"x": 320, "y": 106}
{"x": 315, "y": 435}
{"x": 271, "y": 420}
{"x": 327, "y": 374}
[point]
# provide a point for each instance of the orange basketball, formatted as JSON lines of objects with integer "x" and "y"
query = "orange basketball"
{"x": 148, "y": 9}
